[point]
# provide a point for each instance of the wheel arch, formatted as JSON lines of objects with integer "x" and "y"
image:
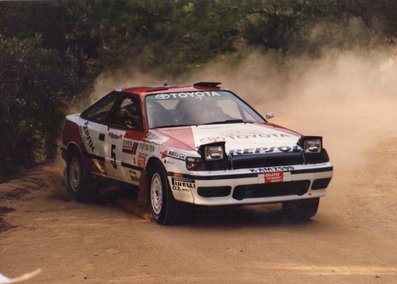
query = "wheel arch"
{"x": 169, "y": 211}
{"x": 152, "y": 161}
{"x": 84, "y": 189}
{"x": 72, "y": 149}
{"x": 144, "y": 181}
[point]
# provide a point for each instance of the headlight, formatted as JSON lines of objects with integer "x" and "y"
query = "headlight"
{"x": 213, "y": 157}
{"x": 213, "y": 153}
{"x": 311, "y": 144}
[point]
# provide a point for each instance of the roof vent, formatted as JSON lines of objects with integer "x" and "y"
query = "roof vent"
{"x": 206, "y": 84}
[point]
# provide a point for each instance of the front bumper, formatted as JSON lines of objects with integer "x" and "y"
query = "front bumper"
{"x": 252, "y": 186}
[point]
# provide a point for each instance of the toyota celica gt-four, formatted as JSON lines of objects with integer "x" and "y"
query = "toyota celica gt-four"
{"x": 198, "y": 144}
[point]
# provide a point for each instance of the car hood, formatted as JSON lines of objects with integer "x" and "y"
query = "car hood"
{"x": 239, "y": 138}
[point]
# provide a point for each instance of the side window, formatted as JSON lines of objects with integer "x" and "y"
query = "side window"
{"x": 128, "y": 114}
{"x": 99, "y": 112}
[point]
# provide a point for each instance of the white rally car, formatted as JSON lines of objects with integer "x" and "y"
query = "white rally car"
{"x": 197, "y": 144}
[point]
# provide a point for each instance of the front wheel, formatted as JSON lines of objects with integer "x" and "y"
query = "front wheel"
{"x": 79, "y": 182}
{"x": 165, "y": 209}
{"x": 300, "y": 210}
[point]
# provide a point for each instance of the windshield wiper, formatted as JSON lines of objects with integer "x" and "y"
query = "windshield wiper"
{"x": 227, "y": 121}
{"x": 196, "y": 124}
{"x": 173, "y": 125}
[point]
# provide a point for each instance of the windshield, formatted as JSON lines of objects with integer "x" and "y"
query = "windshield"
{"x": 197, "y": 108}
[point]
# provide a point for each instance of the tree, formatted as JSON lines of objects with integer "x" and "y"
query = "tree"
{"x": 34, "y": 85}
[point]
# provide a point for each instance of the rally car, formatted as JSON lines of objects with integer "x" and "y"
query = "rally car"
{"x": 198, "y": 144}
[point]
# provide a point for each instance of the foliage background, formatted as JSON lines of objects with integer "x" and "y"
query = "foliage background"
{"x": 52, "y": 51}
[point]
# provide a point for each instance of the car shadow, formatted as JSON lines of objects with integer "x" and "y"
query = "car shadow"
{"x": 240, "y": 216}
{"x": 126, "y": 199}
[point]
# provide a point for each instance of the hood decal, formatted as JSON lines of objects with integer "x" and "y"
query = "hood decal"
{"x": 240, "y": 139}
{"x": 246, "y": 138}
{"x": 182, "y": 137}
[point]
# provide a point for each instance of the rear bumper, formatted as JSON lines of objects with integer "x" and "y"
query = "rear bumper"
{"x": 252, "y": 186}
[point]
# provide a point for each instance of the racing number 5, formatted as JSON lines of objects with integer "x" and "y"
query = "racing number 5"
{"x": 113, "y": 156}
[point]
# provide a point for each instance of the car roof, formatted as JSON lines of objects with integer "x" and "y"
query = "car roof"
{"x": 196, "y": 87}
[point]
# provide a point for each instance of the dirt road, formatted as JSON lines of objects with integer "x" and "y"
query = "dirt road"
{"x": 351, "y": 240}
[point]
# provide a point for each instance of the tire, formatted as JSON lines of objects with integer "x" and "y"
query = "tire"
{"x": 164, "y": 208}
{"x": 79, "y": 182}
{"x": 300, "y": 210}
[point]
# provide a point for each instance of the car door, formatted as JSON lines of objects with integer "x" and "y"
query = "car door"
{"x": 94, "y": 129}
{"x": 125, "y": 133}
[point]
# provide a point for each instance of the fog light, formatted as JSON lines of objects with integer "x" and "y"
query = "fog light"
{"x": 195, "y": 164}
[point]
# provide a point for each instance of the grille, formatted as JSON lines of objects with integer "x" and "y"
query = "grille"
{"x": 266, "y": 160}
{"x": 214, "y": 191}
{"x": 271, "y": 189}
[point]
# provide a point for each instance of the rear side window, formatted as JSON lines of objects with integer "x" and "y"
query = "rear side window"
{"x": 99, "y": 112}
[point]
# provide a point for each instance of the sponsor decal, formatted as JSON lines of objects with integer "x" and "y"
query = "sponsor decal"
{"x": 151, "y": 137}
{"x": 173, "y": 96}
{"x": 264, "y": 150}
{"x": 113, "y": 156}
{"x": 173, "y": 155}
{"x": 141, "y": 161}
{"x": 183, "y": 184}
{"x": 88, "y": 137}
{"x": 115, "y": 135}
{"x": 129, "y": 146}
{"x": 143, "y": 154}
{"x": 164, "y": 154}
{"x": 273, "y": 177}
{"x": 146, "y": 147}
{"x": 243, "y": 137}
{"x": 272, "y": 169}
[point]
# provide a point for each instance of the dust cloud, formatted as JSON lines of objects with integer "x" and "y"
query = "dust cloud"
{"x": 346, "y": 97}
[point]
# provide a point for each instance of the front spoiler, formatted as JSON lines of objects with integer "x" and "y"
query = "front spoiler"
{"x": 188, "y": 187}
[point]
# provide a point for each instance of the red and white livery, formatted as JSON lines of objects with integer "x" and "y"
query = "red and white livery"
{"x": 197, "y": 144}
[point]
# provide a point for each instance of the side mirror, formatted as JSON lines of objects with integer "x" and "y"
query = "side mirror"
{"x": 269, "y": 115}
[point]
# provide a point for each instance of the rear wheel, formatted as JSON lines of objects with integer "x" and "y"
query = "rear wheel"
{"x": 299, "y": 210}
{"x": 79, "y": 182}
{"x": 165, "y": 209}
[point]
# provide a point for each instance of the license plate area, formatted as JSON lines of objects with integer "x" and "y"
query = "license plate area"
{"x": 273, "y": 177}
